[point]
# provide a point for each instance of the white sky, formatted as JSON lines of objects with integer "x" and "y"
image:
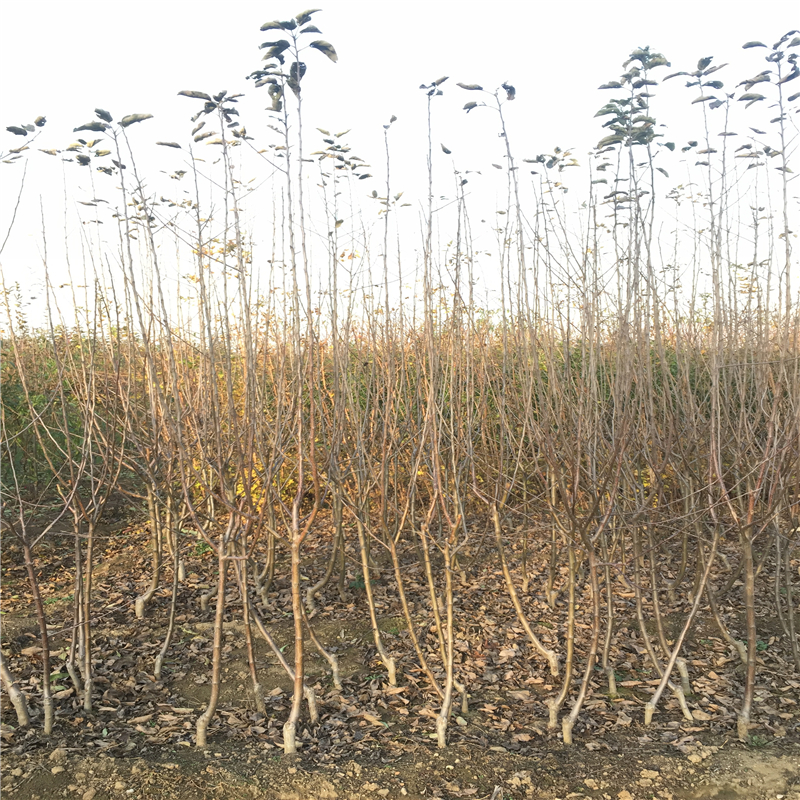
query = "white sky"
{"x": 64, "y": 59}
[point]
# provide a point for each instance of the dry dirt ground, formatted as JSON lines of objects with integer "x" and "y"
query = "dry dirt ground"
{"x": 225, "y": 770}
{"x": 373, "y": 741}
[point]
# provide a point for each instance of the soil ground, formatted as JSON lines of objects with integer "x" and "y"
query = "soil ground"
{"x": 374, "y": 741}
{"x": 626, "y": 771}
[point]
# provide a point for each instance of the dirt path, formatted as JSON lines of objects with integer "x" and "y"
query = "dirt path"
{"x": 374, "y": 742}
{"x": 233, "y": 770}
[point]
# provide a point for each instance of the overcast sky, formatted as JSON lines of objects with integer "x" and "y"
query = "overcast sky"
{"x": 64, "y": 59}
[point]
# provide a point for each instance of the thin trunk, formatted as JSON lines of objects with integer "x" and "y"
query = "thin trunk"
{"x": 47, "y": 695}
{"x": 290, "y": 726}
{"x": 653, "y": 702}
{"x": 88, "y": 681}
{"x": 75, "y": 649}
{"x": 549, "y": 655}
{"x": 248, "y": 634}
{"x": 410, "y": 622}
{"x": 569, "y": 722}
{"x": 607, "y": 668}
{"x": 793, "y": 637}
{"x": 312, "y": 592}
{"x": 308, "y": 691}
{"x": 743, "y": 722}
{"x": 554, "y": 703}
{"x": 173, "y": 606}
{"x": 447, "y": 701}
{"x": 15, "y": 695}
{"x": 637, "y": 587}
{"x": 156, "y": 534}
{"x": 205, "y": 718}
{"x": 388, "y": 661}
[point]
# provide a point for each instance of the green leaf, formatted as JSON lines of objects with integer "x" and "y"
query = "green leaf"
{"x": 612, "y": 85}
{"x": 440, "y": 81}
{"x": 305, "y": 16}
{"x": 670, "y": 146}
{"x": 748, "y": 45}
{"x": 195, "y": 95}
{"x": 704, "y": 63}
{"x": 311, "y": 29}
{"x": 17, "y": 131}
{"x": 615, "y": 138}
{"x": 609, "y": 108}
{"x": 98, "y": 127}
{"x": 469, "y": 106}
{"x": 714, "y": 84}
{"x": 446, "y": 151}
{"x": 39, "y": 122}
{"x": 470, "y": 87}
{"x": 169, "y": 144}
{"x": 753, "y": 97}
{"x": 760, "y": 78}
{"x": 131, "y": 118}
{"x": 325, "y": 48}
{"x": 275, "y": 49}
{"x": 272, "y": 26}
{"x": 104, "y": 115}
{"x": 703, "y": 98}
{"x": 663, "y": 171}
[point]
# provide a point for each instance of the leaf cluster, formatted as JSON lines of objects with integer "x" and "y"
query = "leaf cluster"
{"x": 273, "y": 74}
{"x": 221, "y": 103}
{"x": 631, "y": 122}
